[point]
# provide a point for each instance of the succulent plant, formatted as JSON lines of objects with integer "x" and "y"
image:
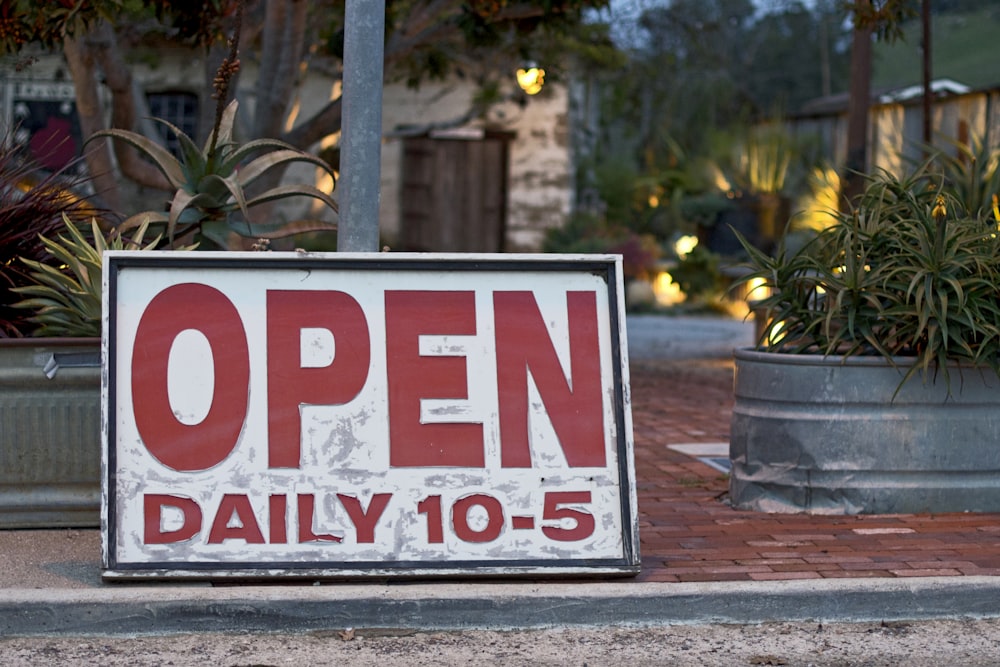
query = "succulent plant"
{"x": 211, "y": 196}
{"x": 67, "y": 299}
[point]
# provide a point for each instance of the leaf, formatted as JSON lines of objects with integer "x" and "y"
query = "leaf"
{"x": 285, "y": 191}
{"x": 140, "y": 219}
{"x": 186, "y": 201}
{"x": 195, "y": 163}
{"x": 252, "y": 171}
{"x": 225, "y": 127}
{"x": 290, "y": 228}
{"x": 215, "y": 183}
{"x": 160, "y": 156}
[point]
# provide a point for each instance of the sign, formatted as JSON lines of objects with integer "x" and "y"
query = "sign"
{"x": 341, "y": 415}
{"x": 43, "y": 115}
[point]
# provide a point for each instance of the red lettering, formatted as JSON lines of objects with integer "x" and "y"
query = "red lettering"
{"x": 431, "y": 506}
{"x": 364, "y": 522}
{"x": 237, "y": 505}
{"x": 190, "y": 447}
{"x": 574, "y": 407}
{"x": 289, "y": 386}
{"x": 412, "y": 377}
{"x": 494, "y": 521}
{"x": 583, "y": 521}
{"x": 277, "y": 512}
{"x": 307, "y": 510}
{"x": 152, "y": 508}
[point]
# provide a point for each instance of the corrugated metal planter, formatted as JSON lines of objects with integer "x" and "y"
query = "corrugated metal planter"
{"x": 50, "y": 432}
{"x": 824, "y": 435}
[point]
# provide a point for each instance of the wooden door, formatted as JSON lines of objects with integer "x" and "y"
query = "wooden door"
{"x": 454, "y": 195}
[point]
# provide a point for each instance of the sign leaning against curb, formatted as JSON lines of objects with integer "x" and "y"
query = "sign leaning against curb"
{"x": 356, "y": 415}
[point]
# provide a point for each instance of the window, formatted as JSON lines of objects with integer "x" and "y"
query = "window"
{"x": 177, "y": 108}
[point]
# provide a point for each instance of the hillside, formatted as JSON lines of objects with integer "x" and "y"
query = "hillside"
{"x": 962, "y": 47}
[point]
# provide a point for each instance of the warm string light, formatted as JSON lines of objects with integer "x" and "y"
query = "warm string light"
{"x": 531, "y": 79}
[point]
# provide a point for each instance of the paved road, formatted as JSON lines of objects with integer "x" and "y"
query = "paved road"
{"x": 926, "y": 644}
{"x": 660, "y": 337}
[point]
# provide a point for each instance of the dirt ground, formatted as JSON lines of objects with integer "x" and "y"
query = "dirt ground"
{"x": 954, "y": 643}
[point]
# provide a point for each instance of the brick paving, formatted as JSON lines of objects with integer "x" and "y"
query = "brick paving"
{"x": 689, "y": 533}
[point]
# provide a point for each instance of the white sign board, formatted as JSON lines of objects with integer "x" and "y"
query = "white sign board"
{"x": 338, "y": 415}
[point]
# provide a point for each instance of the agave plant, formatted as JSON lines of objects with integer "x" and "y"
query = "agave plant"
{"x": 67, "y": 299}
{"x": 910, "y": 272}
{"x": 211, "y": 183}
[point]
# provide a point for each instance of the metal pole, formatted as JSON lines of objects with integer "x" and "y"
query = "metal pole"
{"x": 361, "y": 130}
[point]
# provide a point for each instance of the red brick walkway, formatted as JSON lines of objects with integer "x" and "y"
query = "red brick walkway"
{"x": 689, "y": 533}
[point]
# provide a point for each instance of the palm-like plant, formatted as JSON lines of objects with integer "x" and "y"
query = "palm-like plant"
{"x": 212, "y": 182}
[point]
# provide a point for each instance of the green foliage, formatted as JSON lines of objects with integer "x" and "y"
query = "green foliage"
{"x": 211, "y": 184}
{"x": 66, "y": 300}
{"x": 583, "y": 233}
{"x": 47, "y": 23}
{"x": 698, "y": 274}
{"x": 910, "y": 272}
{"x": 589, "y": 233}
{"x": 885, "y": 18}
{"x": 675, "y": 118}
{"x": 695, "y": 75}
{"x": 703, "y": 210}
{"x": 482, "y": 39}
{"x": 972, "y": 173}
{"x": 616, "y": 181}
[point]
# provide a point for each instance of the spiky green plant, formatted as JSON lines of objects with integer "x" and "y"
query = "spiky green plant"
{"x": 909, "y": 273}
{"x": 211, "y": 196}
{"x": 66, "y": 300}
{"x": 973, "y": 171}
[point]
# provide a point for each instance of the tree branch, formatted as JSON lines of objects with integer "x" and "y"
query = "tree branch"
{"x": 119, "y": 81}
{"x": 88, "y": 108}
{"x": 421, "y": 19}
{"x": 323, "y": 123}
{"x": 284, "y": 40}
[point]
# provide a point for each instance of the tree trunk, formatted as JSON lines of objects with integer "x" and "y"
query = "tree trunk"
{"x": 853, "y": 181}
{"x": 99, "y": 48}
{"x": 88, "y": 108}
{"x": 281, "y": 55}
{"x": 118, "y": 78}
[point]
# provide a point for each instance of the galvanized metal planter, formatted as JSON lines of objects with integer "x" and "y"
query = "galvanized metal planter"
{"x": 825, "y": 435}
{"x": 50, "y": 432}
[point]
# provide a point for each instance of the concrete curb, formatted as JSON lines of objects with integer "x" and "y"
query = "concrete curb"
{"x": 169, "y": 609}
